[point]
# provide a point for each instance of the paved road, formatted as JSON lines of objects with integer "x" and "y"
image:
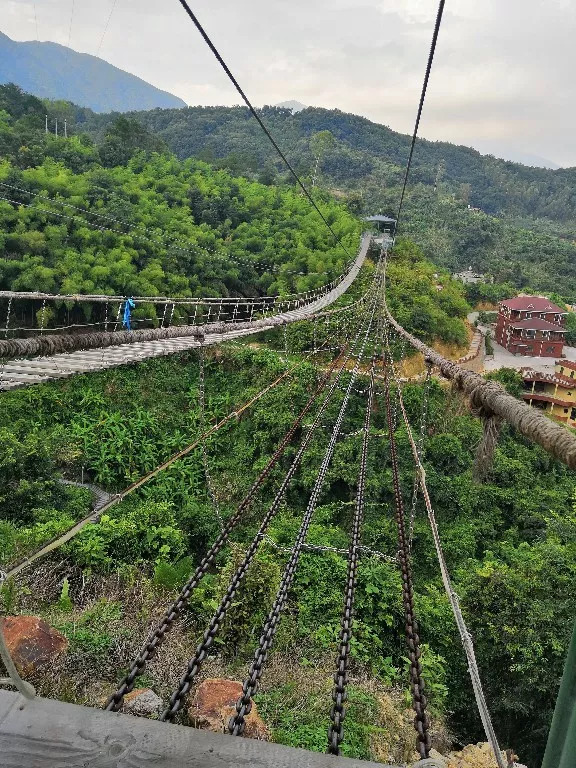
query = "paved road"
{"x": 504, "y": 359}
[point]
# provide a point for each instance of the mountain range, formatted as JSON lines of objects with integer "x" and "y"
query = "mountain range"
{"x": 53, "y": 71}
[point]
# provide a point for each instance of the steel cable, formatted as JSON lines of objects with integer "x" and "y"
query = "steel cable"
{"x": 255, "y": 114}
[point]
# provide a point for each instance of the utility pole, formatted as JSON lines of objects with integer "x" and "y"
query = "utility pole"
{"x": 56, "y": 123}
{"x": 46, "y": 127}
{"x": 65, "y": 129}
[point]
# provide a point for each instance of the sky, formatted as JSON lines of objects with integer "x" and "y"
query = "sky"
{"x": 503, "y": 78}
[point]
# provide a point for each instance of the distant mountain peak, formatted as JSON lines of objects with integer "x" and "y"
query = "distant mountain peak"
{"x": 295, "y": 106}
{"x": 53, "y": 71}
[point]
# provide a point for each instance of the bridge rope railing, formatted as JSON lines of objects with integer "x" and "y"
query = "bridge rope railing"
{"x": 489, "y": 399}
{"x": 54, "y": 344}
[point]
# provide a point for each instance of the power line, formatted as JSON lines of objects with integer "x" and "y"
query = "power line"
{"x": 421, "y": 105}
{"x": 106, "y": 27}
{"x": 245, "y": 99}
{"x": 36, "y": 20}
{"x": 70, "y": 27}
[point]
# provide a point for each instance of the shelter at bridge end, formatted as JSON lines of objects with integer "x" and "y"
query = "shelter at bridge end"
{"x": 385, "y": 225}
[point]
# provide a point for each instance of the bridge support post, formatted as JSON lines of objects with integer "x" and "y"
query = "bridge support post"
{"x": 561, "y": 746}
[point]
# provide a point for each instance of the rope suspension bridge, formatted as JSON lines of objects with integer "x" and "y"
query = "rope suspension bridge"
{"x": 224, "y": 320}
{"x": 41, "y": 733}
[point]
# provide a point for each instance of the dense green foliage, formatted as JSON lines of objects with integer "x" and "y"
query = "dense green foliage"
{"x": 159, "y": 226}
{"x": 523, "y": 234}
{"x": 510, "y": 542}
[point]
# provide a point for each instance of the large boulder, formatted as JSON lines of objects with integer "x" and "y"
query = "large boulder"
{"x": 215, "y": 702}
{"x": 142, "y": 702}
{"x": 32, "y": 642}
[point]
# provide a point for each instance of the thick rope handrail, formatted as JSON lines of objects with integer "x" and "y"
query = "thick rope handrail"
{"x": 493, "y": 398}
{"x": 467, "y": 642}
{"x": 50, "y": 345}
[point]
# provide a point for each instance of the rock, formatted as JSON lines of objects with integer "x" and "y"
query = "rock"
{"x": 142, "y": 702}
{"x": 474, "y": 756}
{"x": 215, "y": 702}
{"x": 32, "y": 642}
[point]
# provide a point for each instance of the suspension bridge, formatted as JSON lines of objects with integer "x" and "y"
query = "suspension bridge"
{"x": 107, "y": 349}
{"x": 45, "y": 734}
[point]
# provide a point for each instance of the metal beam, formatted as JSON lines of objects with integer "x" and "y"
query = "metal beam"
{"x": 51, "y": 734}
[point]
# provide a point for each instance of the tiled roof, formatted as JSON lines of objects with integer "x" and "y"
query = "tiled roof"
{"x": 537, "y": 324}
{"x": 532, "y": 303}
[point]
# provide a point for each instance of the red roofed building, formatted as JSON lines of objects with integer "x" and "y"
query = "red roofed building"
{"x": 531, "y": 325}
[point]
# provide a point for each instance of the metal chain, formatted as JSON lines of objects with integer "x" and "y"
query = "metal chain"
{"x": 203, "y": 451}
{"x": 237, "y": 724}
{"x": 465, "y": 636}
{"x": 420, "y": 448}
{"x": 177, "y": 698}
{"x": 339, "y": 695}
{"x": 421, "y": 720}
{"x": 156, "y": 637}
{"x": 336, "y": 550}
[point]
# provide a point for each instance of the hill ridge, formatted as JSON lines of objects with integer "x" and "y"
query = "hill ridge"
{"x": 90, "y": 81}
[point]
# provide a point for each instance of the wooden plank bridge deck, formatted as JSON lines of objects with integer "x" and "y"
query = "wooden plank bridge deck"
{"x": 43, "y": 733}
{"x": 18, "y": 373}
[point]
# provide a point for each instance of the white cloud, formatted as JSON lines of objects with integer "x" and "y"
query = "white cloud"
{"x": 503, "y": 75}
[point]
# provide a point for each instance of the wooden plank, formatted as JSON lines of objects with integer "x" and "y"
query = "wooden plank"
{"x": 51, "y": 734}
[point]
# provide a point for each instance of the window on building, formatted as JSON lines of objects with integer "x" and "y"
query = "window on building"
{"x": 550, "y": 349}
{"x": 571, "y": 374}
{"x": 530, "y": 334}
{"x": 565, "y": 410}
{"x": 528, "y": 315}
{"x": 561, "y": 369}
{"x": 573, "y": 414}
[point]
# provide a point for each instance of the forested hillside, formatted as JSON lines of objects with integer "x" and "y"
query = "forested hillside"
{"x": 126, "y": 217}
{"x": 113, "y": 210}
{"x": 524, "y": 233}
{"x": 359, "y": 150}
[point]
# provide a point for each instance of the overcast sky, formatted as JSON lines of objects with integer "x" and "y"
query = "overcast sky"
{"x": 503, "y": 80}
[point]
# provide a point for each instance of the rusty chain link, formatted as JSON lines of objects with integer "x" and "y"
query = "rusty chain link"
{"x": 339, "y": 695}
{"x": 419, "y": 702}
{"x": 177, "y": 698}
{"x": 156, "y": 638}
{"x": 236, "y": 724}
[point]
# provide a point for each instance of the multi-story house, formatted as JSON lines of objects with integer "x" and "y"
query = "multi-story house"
{"x": 553, "y": 392}
{"x": 531, "y": 325}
